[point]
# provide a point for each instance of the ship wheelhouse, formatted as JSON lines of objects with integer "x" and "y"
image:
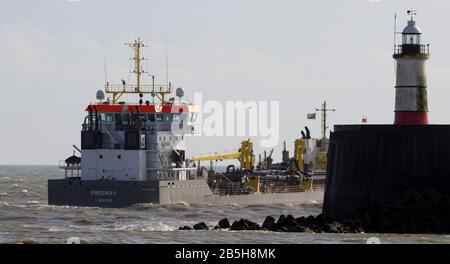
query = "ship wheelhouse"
{"x": 175, "y": 118}
{"x": 136, "y": 141}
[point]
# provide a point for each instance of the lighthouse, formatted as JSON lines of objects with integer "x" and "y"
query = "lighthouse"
{"x": 411, "y": 103}
{"x": 385, "y": 164}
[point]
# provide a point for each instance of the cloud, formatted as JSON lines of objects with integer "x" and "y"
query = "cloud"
{"x": 45, "y": 82}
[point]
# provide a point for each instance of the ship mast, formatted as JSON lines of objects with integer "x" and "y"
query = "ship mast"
{"x": 117, "y": 90}
{"x": 324, "y": 111}
{"x": 136, "y": 46}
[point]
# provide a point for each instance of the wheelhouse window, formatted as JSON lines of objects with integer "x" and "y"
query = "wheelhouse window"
{"x": 159, "y": 117}
{"x": 118, "y": 118}
{"x": 109, "y": 118}
{"x": 126, "y": 117}
{"x": 151, "y": 117}
{"x": 176, "y": 117}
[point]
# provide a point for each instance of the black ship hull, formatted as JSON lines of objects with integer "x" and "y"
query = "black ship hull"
{"x": 117, "y": 194}
{"x": 101, "y": 193}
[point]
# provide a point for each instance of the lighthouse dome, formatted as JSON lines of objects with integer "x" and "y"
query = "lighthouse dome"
{"x": 411, "y": 28}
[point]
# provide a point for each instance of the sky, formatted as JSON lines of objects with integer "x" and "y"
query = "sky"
{"x": 299, "y": 53}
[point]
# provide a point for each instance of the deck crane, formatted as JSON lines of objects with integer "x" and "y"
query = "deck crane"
{"x": 244, "y": 155}
{"x": 303, "y": 152}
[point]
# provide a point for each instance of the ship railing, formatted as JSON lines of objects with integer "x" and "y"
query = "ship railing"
{"x": 131, "y": 88}
{"x": 70, "y": 170}
{"x": 293, "y": 188}
{"x": 282, "y": 189}
{"x": 161, "y": 126}
{"x": 412, "y": 49}
{"x": 233, "y": 190}
{"x": 169, "y": 126}
{"x": 318, "y": 188}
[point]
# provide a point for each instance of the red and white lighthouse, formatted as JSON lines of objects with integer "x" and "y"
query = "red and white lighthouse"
{"x": 411, "y": 103}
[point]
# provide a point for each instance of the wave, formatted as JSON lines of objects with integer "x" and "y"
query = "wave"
{"x": 128, "y": 217}
{"x": 18, "y": 217}
{"x": 84, "y": 222}
{"x": 6, "y": 204}
{"x": 56, "y": 229}
{"x": 162, "y": 207}
{"x": 177, "y": 207}
{"x": 143, "y": 206}
{"x": 134, "y": 227}
{"x": 33, "y": 202}
{"x": 145, "y": 227}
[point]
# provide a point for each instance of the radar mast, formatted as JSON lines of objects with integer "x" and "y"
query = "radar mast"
{"x": 117, "y": 90}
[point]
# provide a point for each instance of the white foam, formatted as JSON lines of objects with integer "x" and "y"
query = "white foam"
{"x": 4, "y": 204}
{"x": 145, "y": 227}
{"x": 164, "y": 227}
{"x": 55, "y": 229}
{"x": 184, "y": 203}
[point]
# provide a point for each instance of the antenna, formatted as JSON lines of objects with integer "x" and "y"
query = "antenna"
{"x": 167, "y": 60}
{"x": 395, "y": 30}
{"x": 104, "y": 61}
{"x": 395, "y": 40}
{"x": 153, "y": 89}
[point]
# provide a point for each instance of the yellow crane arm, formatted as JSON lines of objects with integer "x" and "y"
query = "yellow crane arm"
{"x": 217, "y": 157}
{"x": 244, "y": 155}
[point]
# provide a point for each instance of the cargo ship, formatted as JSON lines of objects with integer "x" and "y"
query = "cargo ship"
{"x": 135, "y": 152}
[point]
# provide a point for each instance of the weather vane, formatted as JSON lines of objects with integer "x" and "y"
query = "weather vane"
{"x": 412, "y": 13}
